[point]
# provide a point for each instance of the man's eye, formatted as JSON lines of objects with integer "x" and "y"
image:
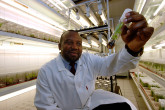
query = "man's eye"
{"x": 69, "y": 43}
{"x": 79, "y": 44}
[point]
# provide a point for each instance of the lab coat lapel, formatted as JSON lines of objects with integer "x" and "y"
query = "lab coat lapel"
{"x": 79, "y": 82}
{"x": 61, "y": 67}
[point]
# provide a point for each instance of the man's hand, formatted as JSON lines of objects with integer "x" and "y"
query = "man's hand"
{"x": 138, "y": 33}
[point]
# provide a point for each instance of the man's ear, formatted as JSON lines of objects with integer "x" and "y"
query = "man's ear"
{"x": 59, "y": 46}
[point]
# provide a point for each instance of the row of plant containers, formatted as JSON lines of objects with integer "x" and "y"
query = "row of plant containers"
{"x": 17, "y": 31}
{"x": 157, "y": 91}
{"x": 16, "y": 78}
{"x": 154, "y": 67}
{"x": 39, "y": 36}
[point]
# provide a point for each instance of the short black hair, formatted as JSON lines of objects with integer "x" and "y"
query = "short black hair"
{"x": 64, "y": 33}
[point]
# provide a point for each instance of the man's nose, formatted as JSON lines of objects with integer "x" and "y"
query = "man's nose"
{"x": 74, "y": 46}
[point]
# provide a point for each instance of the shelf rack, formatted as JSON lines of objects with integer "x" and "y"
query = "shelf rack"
{"x": 94, "y": 29}
{"x": 144, "y": 91}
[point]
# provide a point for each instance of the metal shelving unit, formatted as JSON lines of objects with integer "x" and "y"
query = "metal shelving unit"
{"x": 94, "y": 29}
{"x": 145, "y": 92}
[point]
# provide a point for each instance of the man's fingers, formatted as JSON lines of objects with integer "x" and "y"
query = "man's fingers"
{"x": 124, "y": 30}
{"x": 138, "y": 25}
{"x": 146, "y": 33}
{"x": 126, "y": 34}
{"x": 134, "y": 18}
{"x": 131, "y": 13}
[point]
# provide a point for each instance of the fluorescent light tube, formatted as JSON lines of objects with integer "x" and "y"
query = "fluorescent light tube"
{"x": 104, "y": 42}
{"x": 160, "y": 45}
{"x": 159, "y": 8}
{"x": 149, "y": 21}
{"x": 32, "y": 12}
{"x": 93, "y": 20}
{"x": 84, "y": 22}
{"x": 55, "y": 4}
{"x": 148, "y": 49}
{"x": 94, "y": 43}
{"x": 103, "y": 17}
{"x": 60, "y": 3}
{"x": 142, "y": 6}
{"x": 85, "y": 44}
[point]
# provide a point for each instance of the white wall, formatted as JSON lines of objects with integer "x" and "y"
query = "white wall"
{"x": 13, "y": 60}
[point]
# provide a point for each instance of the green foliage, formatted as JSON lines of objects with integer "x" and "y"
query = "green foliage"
{"x": 9, "y": 80}
{"x": 32, "y": 35}
{"x": 117, "y": 32}
{"x": 157, "y": 97}
{"x": 18, "y": 32}
{"x": 34, "y": 75}
{"x": 159, "y": 67}
{"x": 1, "y": 24}
{"x": 27, "y": 77}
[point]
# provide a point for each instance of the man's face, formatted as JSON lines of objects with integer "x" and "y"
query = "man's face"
{"x": 71, "y": 46}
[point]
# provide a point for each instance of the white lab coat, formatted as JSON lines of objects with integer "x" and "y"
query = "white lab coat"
{"x": 59, "y": 89}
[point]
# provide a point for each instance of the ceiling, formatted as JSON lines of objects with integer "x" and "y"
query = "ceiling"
{"x": 58, "y": 17}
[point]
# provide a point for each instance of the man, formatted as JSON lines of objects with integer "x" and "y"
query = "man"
{"x": 68, "y": 81}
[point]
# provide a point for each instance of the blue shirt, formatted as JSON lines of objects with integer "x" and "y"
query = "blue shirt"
{"x": 66, "y": 63}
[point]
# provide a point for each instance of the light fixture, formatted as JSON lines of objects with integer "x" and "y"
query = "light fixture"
{"x": 84, "y": 22}
{"x": 73, "y": 17}
{"x": 148, "y": 49}
{"x": 60, "y": 3}
{"x": 160, "y": 45}
{"x": 85, "y": 44}
{"x": 94, "y": 43}
{"x": 142, "y": 6}
{"x": 81, "y": 21}
{"x": 149, "y": 20}
{"x": 103, "y": 18}
{"x": 55, "y": 4}
{"x": 159, "y": 8}
{"x": 30, "y": 12}
{"x": 104, "y": 42}
{"x": 93, "y": 20}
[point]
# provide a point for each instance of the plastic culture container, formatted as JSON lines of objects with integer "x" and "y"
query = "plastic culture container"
{"x": 161, "y": 104}
{"x": 145, "y": 81}
{"x": 153, "y": 84}
{"x": 159, "y": 95}
{"x": 117, "y": 31}
{"x": 155, "y": 89}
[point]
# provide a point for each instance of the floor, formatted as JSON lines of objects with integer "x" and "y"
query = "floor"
{"x": 25, "y": 101}
{"x": 130, "y": 91}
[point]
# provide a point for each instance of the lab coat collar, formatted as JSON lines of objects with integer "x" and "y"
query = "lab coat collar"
{"x": 61, "y": 66}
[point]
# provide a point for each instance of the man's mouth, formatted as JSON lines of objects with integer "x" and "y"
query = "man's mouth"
{"x": 73, "y": 53}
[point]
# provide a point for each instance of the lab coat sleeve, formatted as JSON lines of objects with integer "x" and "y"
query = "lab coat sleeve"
{"x": 44, "y": 99}
{"x": 115, "y": 63}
